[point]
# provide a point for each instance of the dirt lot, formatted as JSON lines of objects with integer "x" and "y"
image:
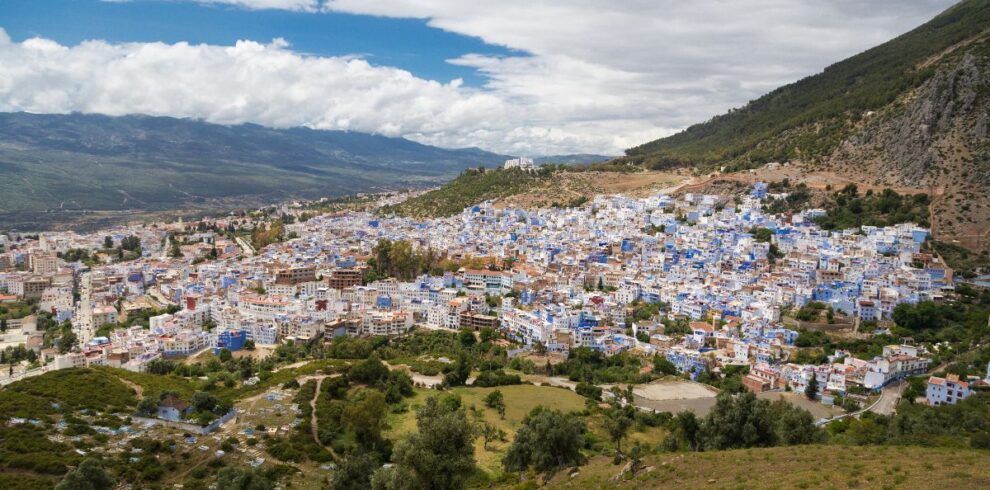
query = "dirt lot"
{"x": 675, "y": 395}
{"x": 674, "y": 389}
{"x": 668, "y": 395}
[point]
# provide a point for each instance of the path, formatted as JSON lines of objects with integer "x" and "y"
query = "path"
{"x": 312, "y": 413}
{"x": 138, "y": 389}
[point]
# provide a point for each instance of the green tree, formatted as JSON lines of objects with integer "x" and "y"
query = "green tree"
{"x": 67, "y": 341}
{"x": 548, "y": 440}
{"x": 354, "y": 472}
{"x": 174, "y": 251}
{"x": 467, "y": 338}
{"x": 495, "y": 400}
{"x": 661, "y": 365}
{"x": 617, "y": 423}
{"x": 439, "y": 456}
{"x": 490, "y": 433}
{"x": 371, "y": 371}
{"x": 811, "y": 390}
{"x": 365, "y": 415}
{"x": 147, "y": 407}
{"x": 461, "y": 372}
{"x": 90, "y": 475}
{"x": 234, "y": 478}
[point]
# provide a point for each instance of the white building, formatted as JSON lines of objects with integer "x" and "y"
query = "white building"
{"x": 521, "y": 162}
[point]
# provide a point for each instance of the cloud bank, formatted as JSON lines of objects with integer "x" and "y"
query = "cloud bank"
{"x": 596, "y": 76}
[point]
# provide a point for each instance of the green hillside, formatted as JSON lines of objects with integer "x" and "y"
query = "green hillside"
{"x": 809, "y": 118}
{"x": 471, "y": 187}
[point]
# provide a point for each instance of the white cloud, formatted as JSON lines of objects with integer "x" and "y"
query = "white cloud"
{"x": 595, "y": 77}
{"x": 295, "y": 5}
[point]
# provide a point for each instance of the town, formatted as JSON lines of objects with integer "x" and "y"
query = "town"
{"x": 704, "y": 281}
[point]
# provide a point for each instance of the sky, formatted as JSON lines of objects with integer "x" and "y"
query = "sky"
{"x": 520, "y": 77}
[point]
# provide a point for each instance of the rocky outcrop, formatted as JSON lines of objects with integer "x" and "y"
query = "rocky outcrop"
{"x": 935, "y": 138}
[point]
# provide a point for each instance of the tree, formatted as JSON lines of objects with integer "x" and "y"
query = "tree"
{"x": 466, "y": 337}
{"x": 488, "y": 334}
{"x": 234, "y": 478}
{"x": 439, "y": 456}
{"x": 811, "y": 391}
{"x": 107, "y": 242}
{"x": 147, "y": 407}
{"x": 495, "y": 400}
{"x": 491, "y": 433}
{"x": 661, "y": 365}
{"x": 548, "y": 440}
{"x": 369, "y": 371}
{"x": 202, "y": 401}
{"x": 354, "y": 472}
{"x": 365, "y": 415}
{"x": 685, "y": 432}
{"x": 617, "y": 423}
{"x": 3, "y": 325}
{"x": 461, "y": 372}
{"x": 174, "y": 251}
{"x": 90, "y": 475}
{"x": 249, "y": 345}
{"x": 67, "y": 341}
{"x": 225, "y": 355}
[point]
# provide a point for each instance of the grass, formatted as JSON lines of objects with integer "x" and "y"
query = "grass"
{"x": 470, "y": 188}
{"x": 14, "y": 310}
{"x": 796, "y": 467}
{"x": 153, "y": 384}
{"x": 72, "y": 389}
{"x": 278, "y": 378}
{"x": 519, "y": 401}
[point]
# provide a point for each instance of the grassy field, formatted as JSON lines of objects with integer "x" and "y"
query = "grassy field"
{"x": 796, "y": 467}
{"x": 69, "y": 389}
{"x": 519, "y": 401}
{"x": 153, "y": 384}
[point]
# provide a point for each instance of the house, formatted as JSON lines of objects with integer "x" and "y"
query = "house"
{"x": 946, "y": 391}
{"x": 172, "y": 408}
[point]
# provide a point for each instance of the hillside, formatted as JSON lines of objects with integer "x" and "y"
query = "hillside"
{"x": 790, "y": 467}
{"x": 911, "y": 113}
{"x": 471, "y": 187}
{"x": 54, "y": 166}
{"x": 561, "y": 187}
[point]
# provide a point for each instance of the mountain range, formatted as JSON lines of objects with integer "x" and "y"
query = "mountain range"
{"x": 55, "y": 167}
{"x": 912, "y": 113}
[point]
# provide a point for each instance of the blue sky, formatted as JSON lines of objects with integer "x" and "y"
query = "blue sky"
{"x": 403, "y": 43}
{"x": 521, "y": 77}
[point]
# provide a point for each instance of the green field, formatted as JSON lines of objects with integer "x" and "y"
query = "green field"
{"x": 519, "y": 401}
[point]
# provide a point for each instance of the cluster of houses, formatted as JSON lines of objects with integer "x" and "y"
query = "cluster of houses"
{"x": 560, "y": 278}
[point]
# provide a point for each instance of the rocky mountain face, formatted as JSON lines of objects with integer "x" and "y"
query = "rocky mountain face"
{"x": 934, "y": 137}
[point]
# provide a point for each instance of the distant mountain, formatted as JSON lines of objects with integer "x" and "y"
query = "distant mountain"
{"x": 572, "y": 159}
{"x": 94, "y": 162}
{"x": 912, "y": 112}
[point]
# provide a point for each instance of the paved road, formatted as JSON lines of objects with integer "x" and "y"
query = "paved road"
{"x": 889, "y": 396}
